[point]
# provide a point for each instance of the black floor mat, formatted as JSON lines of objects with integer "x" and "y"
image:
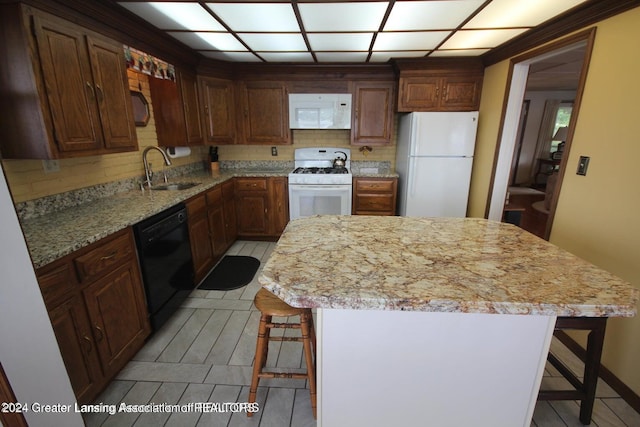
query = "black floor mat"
{"x": 232, "y": 272}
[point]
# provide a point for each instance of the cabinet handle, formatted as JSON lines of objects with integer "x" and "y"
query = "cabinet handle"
{"x": 445, "y": 94}
{"x": 91, "y": 91}
{"x": 89, "y": 346}
{"x": 110, "y": 256}
{"x": 437, "y": 91}
{"x": 100, "y": 336}
{"x": 100, "y": 93}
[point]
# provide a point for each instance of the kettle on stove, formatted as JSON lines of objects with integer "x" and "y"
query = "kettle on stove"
{"x": 339, "y": 162}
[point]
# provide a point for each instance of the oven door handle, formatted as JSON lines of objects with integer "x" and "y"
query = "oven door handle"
{"x": 319, "y": 187}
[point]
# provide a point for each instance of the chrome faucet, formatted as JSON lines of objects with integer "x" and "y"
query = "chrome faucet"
{"x": 147, "y": 168}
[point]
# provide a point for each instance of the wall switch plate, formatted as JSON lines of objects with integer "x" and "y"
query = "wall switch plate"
{"x": 583, "y": 163}
{"x": 51, "y": 166}
{"x": 274, "y": 151}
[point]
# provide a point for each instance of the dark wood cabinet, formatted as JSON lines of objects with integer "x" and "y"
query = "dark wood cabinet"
{"x": 373, "y": 109}
{"x": 176, "y": 110}
{"x": 199, "y": 236}
{"x": 262, "y": 206}
{"x": 97, "y": 309}
{"x": 264, "y": 114}
{"x": 230, "y": 217}
{"x": 217, "y": 110}
{"x": 374, "y": 196}
{"x": 217, "y": 223}
{"x": 439, "y": 84}
{"x": 439, "y": 93}
{"x": 69, "y": 85}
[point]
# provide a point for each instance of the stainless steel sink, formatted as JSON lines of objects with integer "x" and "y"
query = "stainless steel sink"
{"x": 175, "y": 186}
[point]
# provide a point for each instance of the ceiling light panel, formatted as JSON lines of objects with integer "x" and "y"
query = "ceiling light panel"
{"x": 231, "y": 56}
{"x": 458, "y": 52}
{"x": 343, "y": 41}
{"x": 476, "y": 39}
{"x": 201, "y": 41}
{"x": 418, "y": 40}
{"x": 429, "y": 15}
{"x": 385, "y": 56}
{"x": 342, "y": 56}
{"x": 175, "y": 16}
{"x": 286, "y": 56}
{"x": 519, "y": 13}
{"x": 257, "y": 17}
{"x": 331, "y": 17}
{"x": 274, "y": 42}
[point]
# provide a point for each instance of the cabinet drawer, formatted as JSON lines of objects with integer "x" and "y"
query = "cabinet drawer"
{"x": 251, "y": 184}
{"x": 196, "y": 206}
{"x": 377, "y": 186}
{"x": 56, "y": 283}
{"x": 214, "y": 197}
{"x": 104, "y": 257}
{"x": 375, "y": 203}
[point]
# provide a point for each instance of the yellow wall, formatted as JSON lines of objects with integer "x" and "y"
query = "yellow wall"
{"x": 595, "y": 217}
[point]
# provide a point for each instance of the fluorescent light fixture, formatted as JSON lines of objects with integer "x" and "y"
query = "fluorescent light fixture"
{"x": 429, "y": 15}
{"x": 342, "y": 56}
{"x": 342, "y": 41}
{"x": 175, "y": 15}
{"x": 257, "y": 17}
{"x": 384, "y": 56}
{"x": 357, "y": 16}
{"x": 231, "y": 56}
{"x": 476, "y": 39}
{"x": 418, "y": 40}
{"x": 221, "y": 41}
{"x": 286, "y": 56}
{"x": 519, "y": 13}
{"x": 458, "y": 52}
{"x": 274, "y": 42}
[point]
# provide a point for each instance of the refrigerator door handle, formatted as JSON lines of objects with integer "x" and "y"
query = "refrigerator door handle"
{"x": 411, "y": 190}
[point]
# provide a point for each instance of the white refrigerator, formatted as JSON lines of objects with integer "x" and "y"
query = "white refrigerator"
{"x": 434, "y": 157}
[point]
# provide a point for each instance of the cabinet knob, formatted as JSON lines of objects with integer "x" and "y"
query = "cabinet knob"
{"x": 89, "y": 346}
{"x": 100, "y": 334}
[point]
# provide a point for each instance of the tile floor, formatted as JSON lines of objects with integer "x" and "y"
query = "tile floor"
{"x": 205, "y": 352}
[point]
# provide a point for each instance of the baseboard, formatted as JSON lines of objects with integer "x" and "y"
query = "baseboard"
{"x": 607, "y": 376}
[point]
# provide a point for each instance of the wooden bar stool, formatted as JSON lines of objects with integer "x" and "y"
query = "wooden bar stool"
{"x": 269, "y": 306}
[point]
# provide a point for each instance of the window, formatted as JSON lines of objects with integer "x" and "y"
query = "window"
{"x": 562, "y": 120}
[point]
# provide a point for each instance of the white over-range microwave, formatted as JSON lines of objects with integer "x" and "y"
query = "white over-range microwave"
{"x": 320, "y": 111}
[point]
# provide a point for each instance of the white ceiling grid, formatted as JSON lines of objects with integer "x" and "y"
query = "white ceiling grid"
{"x": 345, "y": 31}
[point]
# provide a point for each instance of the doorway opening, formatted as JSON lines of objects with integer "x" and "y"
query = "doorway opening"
{"x": 541, "y": 111}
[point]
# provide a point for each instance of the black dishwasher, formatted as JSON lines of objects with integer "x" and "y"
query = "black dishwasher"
{"x": 164, "y": 251}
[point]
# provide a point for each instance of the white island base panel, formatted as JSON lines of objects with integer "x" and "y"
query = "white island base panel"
{"x": 386, "y": 368}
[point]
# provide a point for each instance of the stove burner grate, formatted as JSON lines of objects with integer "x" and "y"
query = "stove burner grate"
{"x": 318, "y": 170}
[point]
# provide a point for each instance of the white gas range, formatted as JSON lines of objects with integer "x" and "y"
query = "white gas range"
{"x": 316, "y": 187}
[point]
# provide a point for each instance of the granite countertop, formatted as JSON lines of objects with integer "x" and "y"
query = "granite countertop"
{"x": 437, "y": 264}
{"x": 57, "y": 234}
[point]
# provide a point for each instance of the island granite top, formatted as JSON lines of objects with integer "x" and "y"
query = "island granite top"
{"x": 467, "y": 265}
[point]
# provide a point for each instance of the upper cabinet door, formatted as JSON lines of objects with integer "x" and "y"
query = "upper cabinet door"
{"x": 112, "y": 92}
{"x": 217, "y": 106}
{"x": 265, "y": 113}
{"x": 69, "y": 84}
{"x": 191, "y": 105}
{"x": 372, "y": 121}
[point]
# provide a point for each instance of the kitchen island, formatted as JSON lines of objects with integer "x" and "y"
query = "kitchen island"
{"x": 434, "y": 321}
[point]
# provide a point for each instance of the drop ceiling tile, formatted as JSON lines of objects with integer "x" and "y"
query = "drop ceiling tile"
{"x": 476, "y": 39}
{"x": 175, "y": 16}
{"x": 201, "y": 41}
{"x": 519, "y": 13}
{"x": 257, "y": 17}
{"x": 356, "y": 16}
{"x": 429, "y": 15}
{"x": 342, "y": 56}
{"x": 344, "y": 41}
{"x": 459, "y": 52}
{"x": 231, "y": 56}
{"x": 286, "y": 56}
{"x": 386, "y": 55}
{"x": 274, "y": 42}
{"x": 419, "y": 40}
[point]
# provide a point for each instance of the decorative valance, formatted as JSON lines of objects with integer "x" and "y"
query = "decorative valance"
{"x": 148, "y": 64}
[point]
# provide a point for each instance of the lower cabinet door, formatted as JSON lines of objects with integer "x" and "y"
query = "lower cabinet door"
{"x": 80, "y": 356}
{"x": 117, "y": 312}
